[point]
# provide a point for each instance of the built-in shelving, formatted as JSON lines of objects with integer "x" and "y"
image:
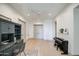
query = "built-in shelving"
{"x": 18, "y": 31}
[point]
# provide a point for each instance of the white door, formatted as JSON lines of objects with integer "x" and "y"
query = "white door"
{"x": 38, "y": 31}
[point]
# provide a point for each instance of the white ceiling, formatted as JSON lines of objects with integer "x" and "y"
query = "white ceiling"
{"x": 38, "y": 10}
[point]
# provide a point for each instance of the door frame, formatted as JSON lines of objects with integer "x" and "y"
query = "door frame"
{"x": 55, "y": 28}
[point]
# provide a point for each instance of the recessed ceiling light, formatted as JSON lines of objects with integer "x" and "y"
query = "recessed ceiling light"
{"x": 50, "y": 14}
{"x": 39, "y": 12}
{"x": 28, "y": 14}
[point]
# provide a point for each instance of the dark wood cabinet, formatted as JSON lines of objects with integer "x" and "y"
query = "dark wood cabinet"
{"x": 18, "y": 31}
{"x": 10, "y": 32}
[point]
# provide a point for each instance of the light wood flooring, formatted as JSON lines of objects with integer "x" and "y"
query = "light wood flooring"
{"x": 36, "y": 47}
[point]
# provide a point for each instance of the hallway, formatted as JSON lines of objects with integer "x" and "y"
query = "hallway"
{"x": 22, "y": 20}
{"x": 36, "y": 47}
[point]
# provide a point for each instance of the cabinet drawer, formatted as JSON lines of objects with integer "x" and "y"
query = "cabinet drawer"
{"x": 1, "y": 53}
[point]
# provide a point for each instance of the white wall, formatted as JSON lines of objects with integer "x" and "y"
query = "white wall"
{"x": 30, "y": 29}
{"x": 9, "y": 12}
{"x": 65, "y": 20}
{"x": 76, "y": 31}
{"x": 49, "y": 28}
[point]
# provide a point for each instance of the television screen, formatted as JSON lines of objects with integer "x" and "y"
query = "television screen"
{"x": 7, "y": 37}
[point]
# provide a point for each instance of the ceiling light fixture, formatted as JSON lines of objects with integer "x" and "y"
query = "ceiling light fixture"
{"x": 39, "y": 12}
{"x": 28, "y": 14}
{"x": 50, "y": 14}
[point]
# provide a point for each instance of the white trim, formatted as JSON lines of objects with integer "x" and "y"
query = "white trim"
{"x": 21, "y": 20}
{"x": 5, "y": 17}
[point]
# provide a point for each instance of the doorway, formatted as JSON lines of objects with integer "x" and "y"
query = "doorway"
{"x": 55, "y": 29}
{"x": 38, "y": 31}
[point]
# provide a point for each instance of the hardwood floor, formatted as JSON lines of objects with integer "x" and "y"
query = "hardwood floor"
{"x": 36, "y": 47}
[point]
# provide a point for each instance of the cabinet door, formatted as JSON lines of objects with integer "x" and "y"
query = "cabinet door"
{"x": 11, "y": 28}
{"x": 0, "y": 31}
{"x": 4, "y": 27}
{"x": 7, "y": 27}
